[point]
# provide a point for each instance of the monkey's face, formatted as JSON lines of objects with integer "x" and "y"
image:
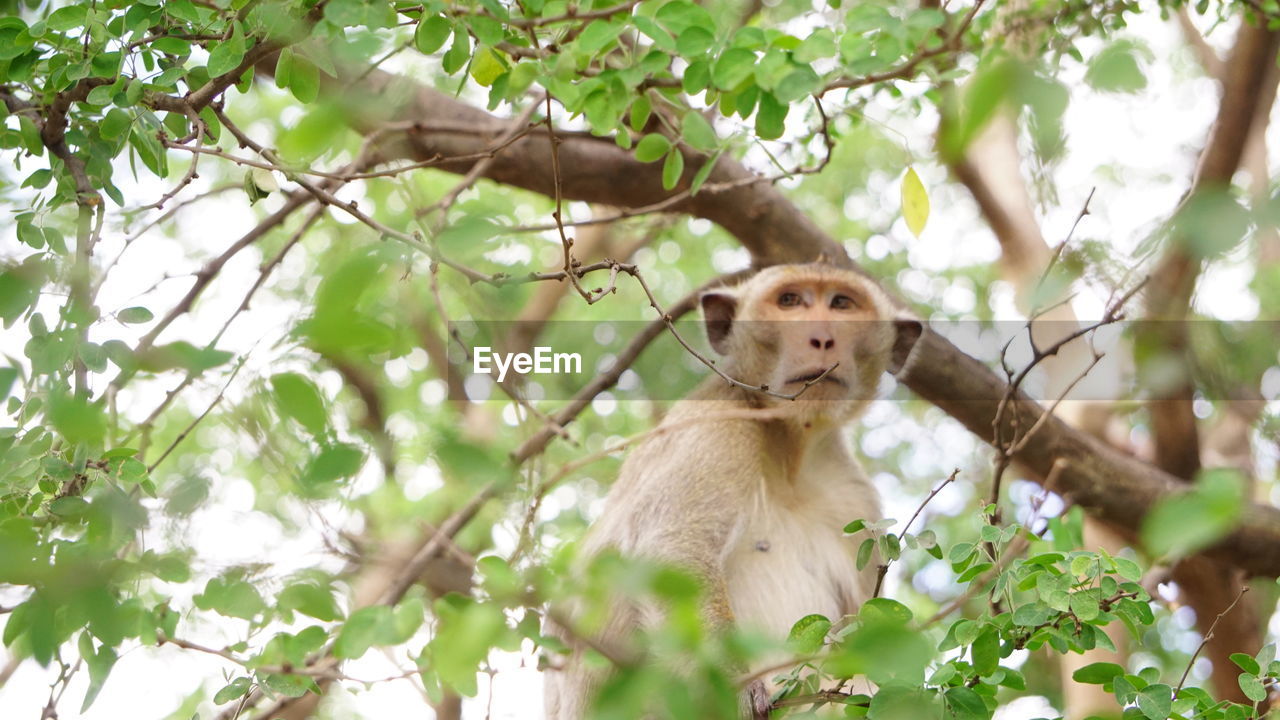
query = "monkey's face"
{"x": 795, "y": 326}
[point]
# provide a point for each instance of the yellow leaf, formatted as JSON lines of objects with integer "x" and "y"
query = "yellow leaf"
{"x": 915, "y": 202}
{"x": 487, "y": 66}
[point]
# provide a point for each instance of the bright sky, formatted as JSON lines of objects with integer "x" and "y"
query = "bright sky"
{"x": 1138, "y": 150}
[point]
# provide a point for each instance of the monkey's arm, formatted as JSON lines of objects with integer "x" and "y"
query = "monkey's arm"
{"x": 683, "y": 503}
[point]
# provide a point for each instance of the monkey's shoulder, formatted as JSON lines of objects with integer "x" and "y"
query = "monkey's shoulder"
{"x": 708, "y": 435}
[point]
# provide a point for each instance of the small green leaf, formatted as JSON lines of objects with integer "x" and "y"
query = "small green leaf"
{"x": 363, "y": 630}
{"x": 227, "y": 55}
{"x": 134, "y": 315}
{"x": 1251, "y": 687}
{"x": 1156, "y": 701}
{"x": 915, "y": 202}
{"x": 1246, "y": 663}
{"x": 431, "y": 34}
{"x": 651, "y": 147}
{"x": 808, "y": 633}
{"x": 885, "y": 610}
{"x": 310, "y": 599}
{"x": 965, "y": 704}
{"x": 1098, "y": 673}
{"x": 304, "y": 80}
{"x": 698, "y": 132}
{"x": 986, "y": 651}
{"x": 855, "y": 526}
{"x": 487, "y": 66}
{"x": 864, "y": 552}
{"x": 1187, "y": 522}
{"x": 233, "y": 691}
{"x": 733, "y": 67}
{"x": 695, "y": 41}
{"x": 771, "y": 117}
{"x": 672, "y": 169}
{"x": 1116, "y": 69}
{"x": 641, "y": 108}
{"x": 298, "y": 398}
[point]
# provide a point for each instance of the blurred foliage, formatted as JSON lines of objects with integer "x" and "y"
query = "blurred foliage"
{"x": 126, "y": 457}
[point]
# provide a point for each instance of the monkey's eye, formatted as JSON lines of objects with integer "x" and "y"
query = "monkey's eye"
{"x": 843, "y": 302}
{"x": 788, "y": 299}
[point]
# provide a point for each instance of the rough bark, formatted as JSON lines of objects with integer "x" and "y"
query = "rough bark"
{"x": 1248, "y": 80}
{"x": 1114, "y": 486}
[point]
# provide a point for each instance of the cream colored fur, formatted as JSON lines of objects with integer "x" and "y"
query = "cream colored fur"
{"x": 755, "y": 506}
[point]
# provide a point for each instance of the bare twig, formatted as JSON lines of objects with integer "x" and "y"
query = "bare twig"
{"x": 1207, "y": 637}
{"x": 883, "y": 570}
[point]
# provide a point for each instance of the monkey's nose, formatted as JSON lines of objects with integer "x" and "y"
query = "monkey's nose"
{"x": 819, "y": 344}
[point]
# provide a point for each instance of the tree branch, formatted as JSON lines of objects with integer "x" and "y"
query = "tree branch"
{"x": 1114, "y": 486}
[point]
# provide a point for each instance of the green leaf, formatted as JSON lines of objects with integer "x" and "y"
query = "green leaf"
{"x": 431, "y": 34}
{"x": 1251, "y": 687}
{"x": 771, "y": 117}
{"x": 298, "y": 398}
{"x": 965, "y": 704}
{"x": 77, "y": 419}
{"x": 698, "y": 132}
{"x": 464, "y": 637}
{"x": 598, "y": 35}
{"x": 733, "y": 67}
{"x": 488, "y": 31}
{"x": 864, "y": 552}
{"x": 234, "y": 691}
{"x": 986, "y": 651}
{"x": 855, "y": 526}
{"x": 1116, "y": 69}
{"x": 231, "y": 597}
{"x": 227, "y": 56}
{"x": 334, "y": 462}
{"x": 304, "y": 80}
{"x": 1185, "y": 523}
{"x": 310, "y": 599}
{"x": 1156, "y": 701}
{"x": 807, "y": 634}
{"x": 680, "y": 15}
{"x": 672, "y": 169}
{"x": 695, "y": 41}
{"x": 651, "y": 147}
{"x": 362, "y": 631}
{"x": 1212, "y": 222}
{"x": 1098, "y": 673}
{"x": 885, "y": 610}
{"x": 1246, "y": 663}
{"x": 114, "y": 124}
{"x": 487, "y": 66}
{"x": 1085, "y": 604}
{"x": 7, "y": 377}
{"x": 134, "y": 315}
{"x": 641, "y": 108}
{"x": 915, "y": 202}
{"x": 100, "y": 664}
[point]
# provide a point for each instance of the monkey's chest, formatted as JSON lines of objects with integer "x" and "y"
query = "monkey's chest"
{"x": 790, "y": 562}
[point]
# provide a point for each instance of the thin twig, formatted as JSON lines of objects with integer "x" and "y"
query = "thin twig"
{"x": 192, "y": 426}
{"x": 883, "y": 569}
{"x": 1207, "y": 637}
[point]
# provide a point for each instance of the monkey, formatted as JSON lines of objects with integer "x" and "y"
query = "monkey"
{"x": 753, "y": 501}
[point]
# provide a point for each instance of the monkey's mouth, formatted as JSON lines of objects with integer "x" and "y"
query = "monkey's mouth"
{"x": 813, "y": 377}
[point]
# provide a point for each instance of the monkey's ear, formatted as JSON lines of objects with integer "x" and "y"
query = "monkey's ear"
{"x": 718, "y": 309}
{"x": 908, "y": 331}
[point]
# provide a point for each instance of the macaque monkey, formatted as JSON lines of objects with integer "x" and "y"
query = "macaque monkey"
{"x": 749, "y": 491}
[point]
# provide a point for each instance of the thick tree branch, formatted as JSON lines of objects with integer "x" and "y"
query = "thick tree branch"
{"x": 1114, "y": 486}
{"x": 1173, "y": 423}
